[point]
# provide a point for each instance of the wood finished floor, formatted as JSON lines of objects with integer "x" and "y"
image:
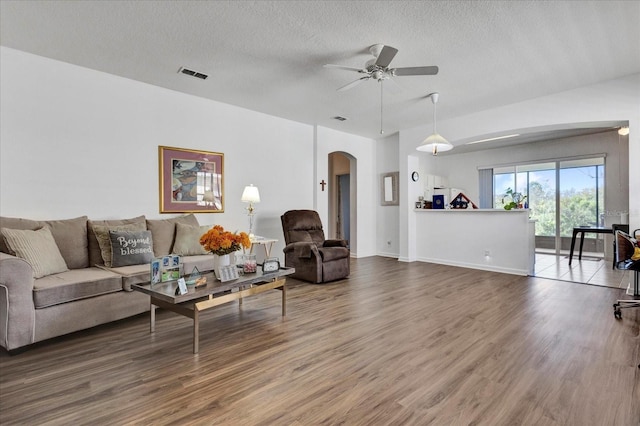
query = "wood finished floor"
{"x": 395, "y": 344}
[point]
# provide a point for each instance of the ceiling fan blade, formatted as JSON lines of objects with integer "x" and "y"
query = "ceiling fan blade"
{"x": 353, "y": 83}
{"x": 386, "y": 55}
{"x": 433, "y": 70}
{"x": 342, "y": 67}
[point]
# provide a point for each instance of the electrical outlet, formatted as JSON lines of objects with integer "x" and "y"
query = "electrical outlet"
{"x": 487, "y": 253}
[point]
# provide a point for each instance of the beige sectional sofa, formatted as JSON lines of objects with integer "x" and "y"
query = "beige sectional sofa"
{"x": 43, "y": 296}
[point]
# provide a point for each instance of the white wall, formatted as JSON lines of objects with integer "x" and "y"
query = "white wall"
{"x": 363, "y": 229}
{"x": 74, "y": 142}
{"x": 388, "y": 229}
{"x": 615, "y": 100}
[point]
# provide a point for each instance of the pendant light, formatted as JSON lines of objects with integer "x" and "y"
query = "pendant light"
{"x": 434, "y": 143}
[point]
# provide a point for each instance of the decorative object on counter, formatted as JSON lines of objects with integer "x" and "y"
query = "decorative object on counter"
{"x": 517, "y": 199}
{"x": 221, "y": 244}
{"x": 438, "y": 201}
{"x": 194, "y": 276}
{"x": 250, "y": 195}
{"x": 249, "y": 263}
{"x": 418, "y": 204}
{"x": 227, "y": 273}
{"x": 270, "y": 264}
{"x": 155, "y": 271}
{"x": 428, "y": 204}
{"x": 461, "y": 201}
{"x": 166, "y": 268}
{"x": 434, "y": 143}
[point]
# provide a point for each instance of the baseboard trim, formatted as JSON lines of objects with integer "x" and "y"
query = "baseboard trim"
{"x": 513, "y": 271}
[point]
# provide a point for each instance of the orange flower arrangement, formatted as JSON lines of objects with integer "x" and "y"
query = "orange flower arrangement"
{"x": 218, "y": 241}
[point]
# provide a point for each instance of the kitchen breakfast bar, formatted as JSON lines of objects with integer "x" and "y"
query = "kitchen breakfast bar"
{"x": 488, "y": 239}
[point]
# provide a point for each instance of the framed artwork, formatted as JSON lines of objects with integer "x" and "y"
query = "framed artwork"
{"x": 191, "y": 181}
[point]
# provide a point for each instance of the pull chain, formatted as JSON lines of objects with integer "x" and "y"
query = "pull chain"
{"x": 381, "y": 111}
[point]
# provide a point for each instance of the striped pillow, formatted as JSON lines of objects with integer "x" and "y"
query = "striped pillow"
{"x": 38, "y": 248}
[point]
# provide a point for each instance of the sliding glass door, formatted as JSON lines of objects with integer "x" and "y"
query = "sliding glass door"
{"x": 581, "y": 200}
{"x": 561, "y": 195}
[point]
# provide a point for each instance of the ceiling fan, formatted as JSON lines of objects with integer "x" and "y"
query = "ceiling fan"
{"x": 378, "y": 70}
{"x": 378, "y": 67}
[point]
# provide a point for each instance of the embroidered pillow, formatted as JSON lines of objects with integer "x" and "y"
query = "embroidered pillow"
{"x": 104, "y": 241}
{"x": 38, "y": 248}
{"x": 187, "y": 241}
{"x": 130, "y": 248}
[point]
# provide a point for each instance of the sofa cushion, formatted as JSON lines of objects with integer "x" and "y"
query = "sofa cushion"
{"x": 164, "y": 232}
{"x": 188, "y": 239}
{"x": 130, "y": 248}
{"x": 74, "y": 284}
{"x": 95, "y": 253}
{"x": 38, "y": 248}
{"x": 70, "y": 236}
{"x": 133, "y": 274}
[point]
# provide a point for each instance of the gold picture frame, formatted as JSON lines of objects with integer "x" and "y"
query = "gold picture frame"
{"x": 191, "y": 181}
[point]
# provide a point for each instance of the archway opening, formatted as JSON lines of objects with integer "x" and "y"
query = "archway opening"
{"x": 342, "y": 196}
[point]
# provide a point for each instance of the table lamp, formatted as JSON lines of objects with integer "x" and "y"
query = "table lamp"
{"x": 250, "y": 195}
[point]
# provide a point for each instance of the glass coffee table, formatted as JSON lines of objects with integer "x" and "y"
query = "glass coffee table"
{"x": 212, "y": 294}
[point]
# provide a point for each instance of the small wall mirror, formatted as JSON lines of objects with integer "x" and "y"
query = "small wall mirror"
{"x": 389, "y": 189}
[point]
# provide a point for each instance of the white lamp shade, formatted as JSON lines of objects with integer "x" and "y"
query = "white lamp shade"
{"x": 435, "y": 144}
{"x": 250, "y": 194}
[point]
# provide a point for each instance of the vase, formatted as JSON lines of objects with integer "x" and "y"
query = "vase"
{"x": 219, "y": 262}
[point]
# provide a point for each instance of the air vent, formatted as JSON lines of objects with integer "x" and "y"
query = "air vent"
{"x": 192, "y": 73}
{"x": 337, "y": 117}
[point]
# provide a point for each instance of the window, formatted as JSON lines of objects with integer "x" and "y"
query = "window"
{"x": 561, "y": 195}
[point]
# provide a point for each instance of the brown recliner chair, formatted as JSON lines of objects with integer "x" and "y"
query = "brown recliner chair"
{"x": 316, "y": 260}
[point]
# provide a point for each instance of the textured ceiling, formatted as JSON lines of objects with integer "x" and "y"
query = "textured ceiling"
{"x": 268, "y": 56}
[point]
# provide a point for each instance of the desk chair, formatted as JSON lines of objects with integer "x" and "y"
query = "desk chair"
{"x": 624, "y": 250}
{"x": 617, "y": 227}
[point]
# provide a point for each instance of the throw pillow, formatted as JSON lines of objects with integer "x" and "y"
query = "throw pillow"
{"x": 95, "y": 253}
{"x": 16, "y": 223}
{"x": 104, "y": 241}
{"x": 70, "y": 236}
{"x": 130, "y": 248}
{"x": 38, "y": 248}
{"x": 164, "y": 232}
{"x": 188, "y": 239}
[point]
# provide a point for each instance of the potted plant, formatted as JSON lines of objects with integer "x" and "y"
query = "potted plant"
{"x": 221, "y": 244}
{"x": 517, "y": 199}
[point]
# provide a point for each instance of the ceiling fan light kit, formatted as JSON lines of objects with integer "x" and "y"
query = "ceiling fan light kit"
{"x": 434, "y": 143}
{"x": 378, "y": 70}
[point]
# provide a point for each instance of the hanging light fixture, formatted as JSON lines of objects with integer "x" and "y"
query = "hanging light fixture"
{"x": 623, "y": 131}
{"x": 434, "y": 143}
